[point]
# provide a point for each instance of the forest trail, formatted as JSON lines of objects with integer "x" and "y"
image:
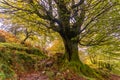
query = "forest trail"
{"x": 33, "y": 76}
{"x": 41, "y": 76}
{"x": 114, "y": 77}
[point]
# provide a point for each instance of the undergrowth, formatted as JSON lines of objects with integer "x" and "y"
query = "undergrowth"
{"x": 16, "y": 58}
{"x": 81, "y": 70}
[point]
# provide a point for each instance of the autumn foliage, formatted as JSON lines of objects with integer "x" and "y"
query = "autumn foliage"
{"x": 7, "y": 37}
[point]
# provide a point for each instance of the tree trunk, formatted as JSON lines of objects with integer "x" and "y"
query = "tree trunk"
{"x": 71, "y": 50}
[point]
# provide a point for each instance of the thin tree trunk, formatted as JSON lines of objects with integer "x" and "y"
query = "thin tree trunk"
{"x": 23, "y": 42}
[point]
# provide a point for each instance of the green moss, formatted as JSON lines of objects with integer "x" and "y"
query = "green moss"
{"x": 2, "y": 75}
{"x": 13, "y": 46}
{"x": 82, "y": 70}
{"x": 35, "y": 51}
{"x": 6, "y": 72}
{"x": 19, "y": 47}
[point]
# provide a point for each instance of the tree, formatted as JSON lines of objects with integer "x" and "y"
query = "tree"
{"x": 72, "y": 19}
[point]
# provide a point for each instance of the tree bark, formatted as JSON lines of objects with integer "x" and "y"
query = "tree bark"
{"x": 71, "y": 50}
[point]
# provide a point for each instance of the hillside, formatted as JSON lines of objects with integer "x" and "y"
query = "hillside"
{"x": 22, "y": 62}
{"x": 16, "y": 59}
{"x": 7, "y": 37}
{"x": 18, "y": 62}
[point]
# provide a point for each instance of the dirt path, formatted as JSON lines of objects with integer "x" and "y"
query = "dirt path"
{"x": 41, "y": 76}
{"x": 33, "y": 76}
{"x": 114, "y": 77}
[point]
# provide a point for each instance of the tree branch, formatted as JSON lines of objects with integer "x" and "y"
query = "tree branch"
{"x": 78, "y": 4}
{"x": 10, "y": 5}
{"x": 95, "y": 17}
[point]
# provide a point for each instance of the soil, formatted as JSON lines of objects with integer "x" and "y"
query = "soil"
{"x": 33, "y": 76}
{"x": 41, "y": 76}
{"x": 114, "y": 77}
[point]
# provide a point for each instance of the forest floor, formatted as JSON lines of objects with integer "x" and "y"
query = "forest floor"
{"x": 114, "y": 77}
{"x": 25, "y": 63}
{"x": 33, "y": 76}
{"x": 53, "y": 73}
{"x": 41, "y": 76}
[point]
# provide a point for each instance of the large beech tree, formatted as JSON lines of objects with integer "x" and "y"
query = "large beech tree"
{"x": 72, "y": 19}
